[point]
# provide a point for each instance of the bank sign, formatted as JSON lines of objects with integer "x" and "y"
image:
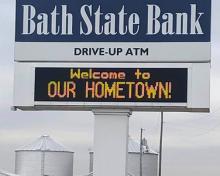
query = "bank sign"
{"x": 113, "y": 30}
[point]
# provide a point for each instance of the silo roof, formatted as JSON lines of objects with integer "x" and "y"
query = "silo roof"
{"x": 3, "y": 173}
{"x": 44, "y": 143}
{"x": 134, "y": 147}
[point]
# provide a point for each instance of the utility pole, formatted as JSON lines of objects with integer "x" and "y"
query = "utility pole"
{"x": 161, "y": 143}
{"x": 42, "y": 163}
{"x": 141, "y": 150}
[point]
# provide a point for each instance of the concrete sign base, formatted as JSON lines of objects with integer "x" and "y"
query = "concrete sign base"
{"x": 111, "y": 142}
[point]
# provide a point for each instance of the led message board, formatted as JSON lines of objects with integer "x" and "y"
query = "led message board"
{"x": 113, "y": 30}
{"x": 111, "y": 84}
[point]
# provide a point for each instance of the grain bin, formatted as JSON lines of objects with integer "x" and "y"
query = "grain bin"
{"x": 44, "y": 157}
{"x": 4, "y": 173}
{"x": 150, "y": 160}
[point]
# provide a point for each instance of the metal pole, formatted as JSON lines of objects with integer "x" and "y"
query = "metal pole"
{"x": 141, "y": 150}
{"x": 42, "y": 163}
{"x": 91, "y": 154}
{"x": 161, "y": 143}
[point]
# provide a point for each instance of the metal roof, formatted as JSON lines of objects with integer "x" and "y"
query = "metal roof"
{"x": 44, "y": 143}
{"x": 134, "y": 147}
{"x": 3, "y": 173}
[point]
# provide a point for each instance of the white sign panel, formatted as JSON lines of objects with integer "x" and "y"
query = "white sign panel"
{"x": 142, "y": 87}
{"x": 113, "y": 31}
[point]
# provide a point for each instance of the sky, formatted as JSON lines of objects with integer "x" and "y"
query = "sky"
{"x": 191, "y": 140}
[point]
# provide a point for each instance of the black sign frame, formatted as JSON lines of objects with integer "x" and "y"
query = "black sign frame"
{"x": 127, "y": 87}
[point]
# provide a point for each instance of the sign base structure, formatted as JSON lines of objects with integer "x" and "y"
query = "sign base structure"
{"x": 111, "y": 142}
{"x": 86, "y": 86}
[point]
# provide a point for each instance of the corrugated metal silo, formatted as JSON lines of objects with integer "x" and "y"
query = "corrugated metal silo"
{"x": 44, "y": 157}
{"x": 149, "y": 160}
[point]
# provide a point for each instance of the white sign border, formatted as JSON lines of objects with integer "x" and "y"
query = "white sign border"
{"x": 198, "y": 101}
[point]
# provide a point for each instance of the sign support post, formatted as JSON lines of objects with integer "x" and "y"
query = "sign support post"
{"x": 111, "y": 142}
{"x": 141, "y": 151}
{"x": 161, "y": 144}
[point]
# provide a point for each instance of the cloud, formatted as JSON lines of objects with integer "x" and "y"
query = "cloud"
{"x": 7, "y": 19}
